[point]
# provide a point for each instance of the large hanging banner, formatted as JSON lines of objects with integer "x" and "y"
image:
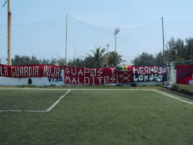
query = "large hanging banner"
{"x": 185, "y": 74}
{"x": 149, "y": 73}
{"x": 24, "y": 71}
{"x": 89, "y": 76}
{"x": 125, "y": 74}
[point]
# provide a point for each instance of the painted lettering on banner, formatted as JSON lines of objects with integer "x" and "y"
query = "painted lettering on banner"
{"x": 30, "y": 71}
{"x": 149, "y": 73}
{"x": 89, "y": 76}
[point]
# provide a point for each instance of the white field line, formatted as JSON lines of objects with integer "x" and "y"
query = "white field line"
{"x": 35, "y": 111}
{"x": 32, "y": 89}
{"x": 173, "y": 97}
{"x": 39, "y": 111}
{"x": 51, "y": 107}
{"x": 111, "y": 89}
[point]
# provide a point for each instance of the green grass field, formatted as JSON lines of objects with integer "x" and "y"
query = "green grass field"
{"x": 94, "y": 117}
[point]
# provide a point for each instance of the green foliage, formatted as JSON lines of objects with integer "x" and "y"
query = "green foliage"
{"x": 53, "y": 61}
{"x": 89, "y": 62}
{"x": 178, "y": 50}
{"x": 45, "y": 61}
{"x": 97, "y": 60}
{"x": 25, "y": 60}
{"x": 159, "y": 59}
{"x": 145, "y": 59}
{"x": 76, "y": 62}
{"x": 97, "y": 56}
{"x": 189, "y": 48}
{"x": 179, "y": 59}
{"x": 61, "y": 62}
{"x": 175, "y": 87}
{"x": 112, "y": 59}
{"x": 186, "y": 89}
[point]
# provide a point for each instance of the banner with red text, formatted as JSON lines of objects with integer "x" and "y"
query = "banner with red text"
{"x": 184, "y": 74}
{"x": 24, "y": 71}
{"x": 149, "y": 73}
{"x": 89, "y": 76}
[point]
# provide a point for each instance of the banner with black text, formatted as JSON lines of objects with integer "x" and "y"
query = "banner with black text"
{"x": 149, "y": 73}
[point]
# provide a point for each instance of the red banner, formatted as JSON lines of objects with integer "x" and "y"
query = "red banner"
{"x": 89, "y": 76}
{"x": 149, "y": 73}
{"x": 24, "y": 71}
{"x": 125, "y": 74}
{"x": 185, "y": 74}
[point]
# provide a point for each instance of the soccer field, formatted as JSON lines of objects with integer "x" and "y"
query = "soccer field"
{"x": 94, "y": 117}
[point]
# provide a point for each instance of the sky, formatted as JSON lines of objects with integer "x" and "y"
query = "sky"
{"x": 39, "y": 26}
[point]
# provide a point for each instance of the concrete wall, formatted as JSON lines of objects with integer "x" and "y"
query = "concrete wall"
{"x": 172, "y": 74}
{"x": 38, "y": 81}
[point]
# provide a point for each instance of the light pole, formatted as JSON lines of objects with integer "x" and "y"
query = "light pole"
{"x": 66, "y": 40}
{"x": 163, "y": 40}
{"x": 116, "y": 32}
{"x": 107, "y": 53}
{"x": 8, "y": 30}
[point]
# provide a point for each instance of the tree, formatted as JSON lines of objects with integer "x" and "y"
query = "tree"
{"x": 177, "y": 50}
{"x": 24, "y": 60}
{"x": 180, "y": 49}
{"x": 159, "y": 59}
{"x": 53, "y": 61}
{"x": 61, "y": 62}
{"x": 189, "y": 48}
{"x": 45, "y": 61}
{"x": 27, "y": 60}
{"x": 89, "y": 62}
{"x": 112, "y": 59}
{"x": 144, "y": 59}
{"x": 76, "y": 62}
{"x": 97, "y": 57}
{"x": 170, "y": 53}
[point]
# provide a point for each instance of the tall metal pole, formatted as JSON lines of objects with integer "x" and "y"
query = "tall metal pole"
{"x": 66, "y": 40}
{"x": 163, "y": 37}
{"x": 163, "y": 40}
{"x": 9, "y": 33}
{"x": 116, "y": 32}
{"x": 107, "y": 54}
